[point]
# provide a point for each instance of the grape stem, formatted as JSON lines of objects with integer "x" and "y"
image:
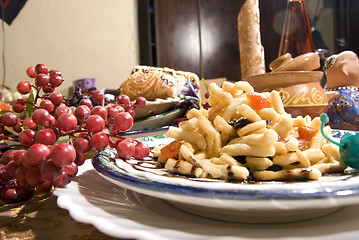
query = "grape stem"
{"x": 37, "y": 94}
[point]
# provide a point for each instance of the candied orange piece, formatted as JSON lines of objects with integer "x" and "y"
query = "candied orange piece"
{"x": 303, "y": 145}
{"x": 4, "y": 106}
{"x": 171, "y": 150}
{"x": 306, "y": 132}
{"x": 257, "y": 101}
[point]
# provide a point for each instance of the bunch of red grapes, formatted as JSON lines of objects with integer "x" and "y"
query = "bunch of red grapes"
{"x": 39, "y": 158}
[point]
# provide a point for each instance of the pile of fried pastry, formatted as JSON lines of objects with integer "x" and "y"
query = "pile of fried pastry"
{"x": 246, "y": 135}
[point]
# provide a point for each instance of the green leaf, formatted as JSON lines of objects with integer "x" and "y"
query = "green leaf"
{"x": 205, "y": 84}
{"x": 2, "y": 112}
{"x": 29, "y": 108}
{"x": 63, "y": 139}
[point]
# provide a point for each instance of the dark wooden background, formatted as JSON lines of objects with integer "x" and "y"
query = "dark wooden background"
{"x": 201, "y": 35}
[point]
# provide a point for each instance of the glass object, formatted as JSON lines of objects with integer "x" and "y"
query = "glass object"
{"x": 296, "y": 34}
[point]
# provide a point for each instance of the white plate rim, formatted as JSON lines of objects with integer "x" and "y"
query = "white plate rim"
{"x": 339, "y": 191}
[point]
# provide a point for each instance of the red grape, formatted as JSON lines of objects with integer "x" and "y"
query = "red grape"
{"x": 9, "y": 119}
{"x": 67, "y": 121}
{"x": 125, "y": 149}
{"x": 98, "y": 96}
{"x": 41, "y": 80}
{"x": 123, "y": 99}
{"x": 25, "y": 192}
{"x": 18, "y": 156}
{"x": 129, "y": 106}
{"x": 140, "y": 102}
{"x": 55, "y": 81}
{"x": 27, "y": 137}
{"x": 25, "y": 161}
{"x": 60, "y": 110}
{"x": 99, "y": 110}
{"x": 30, "y": 72}
{"x": 8, "y": 156}
{"x": 23, "y": 87}
{"x": 80, "y": 159}
{"x": 28, "y": 122}
{"x": 49, "y": 121}
{"x": 33, "y": 176}
{"x": 56, "y": 98}
{"x": 141, "y": 150}
{"x": 82, "y": 144}
{"x": 99, "y": 140}
{"x": 123, "y": 121}
{"x": 4, "y": 178}
{"x": 11, "y": 168}
{"x": 49, "y": 170}
{"x": 41, "y": 68}
{"x": 39, "y": 115}
{"x": 48, "y": 89}
{"x": 46, "y": 136}
{"x": 63, "y": 154}
{"x": 64, "y": 179}
{"x": 20, "y": 174}
{"x": 17, "y": 128}
{"x": 44, "y": 187}
{"x": 86, "y": 102}
{"x": 10, "y": 195}
{"x": 37, "y": 153}
{"x": 132, "y": 112}
{"x": 73, "y": 169}
{"x": 82, "y": 112}
{"x": 54, "y": 73}
{"x": 18, "y": 107}
{"x": 114, "y": 110}
{"x": 47, "y": 105}
{"x": 95, "y": 123}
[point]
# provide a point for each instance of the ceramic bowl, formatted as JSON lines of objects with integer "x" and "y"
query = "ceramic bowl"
{"x": 305, "y": 62}
{"x": 305, "y": 99}
{"x": 278, "y": 80}
{"x": 301, "y": 91}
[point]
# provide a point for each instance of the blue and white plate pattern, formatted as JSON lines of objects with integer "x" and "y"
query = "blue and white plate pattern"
{"x": 261, "y": 202}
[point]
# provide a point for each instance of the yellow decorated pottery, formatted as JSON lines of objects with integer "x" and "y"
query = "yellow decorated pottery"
{"x": 305, "y": 99}
{"x": 301, "y": 90}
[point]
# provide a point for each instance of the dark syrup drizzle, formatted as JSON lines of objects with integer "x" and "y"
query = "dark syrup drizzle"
{"x": 150, "y": 164}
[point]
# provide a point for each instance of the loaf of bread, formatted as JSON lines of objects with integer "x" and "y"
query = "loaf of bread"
{"x": 250, "y": 46}
{"x": 154, "y": 82}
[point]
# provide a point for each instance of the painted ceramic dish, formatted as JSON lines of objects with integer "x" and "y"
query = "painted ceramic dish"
{"x": 261, "y": 202}
{"x": 159, "y": 120}
{"x": 301, "y": 91}
{"x": 156, "y": 107}
{"x": 122, "y": 213}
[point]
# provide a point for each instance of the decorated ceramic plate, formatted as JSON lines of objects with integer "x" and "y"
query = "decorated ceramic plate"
{"x": 260, "y": 202}
{"x": 122, "y": 213}
{"x": 159, "y": 120}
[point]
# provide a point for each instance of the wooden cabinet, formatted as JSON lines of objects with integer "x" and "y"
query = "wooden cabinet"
{"x": 347, "y": 12}
{"x": 201, "y": 35}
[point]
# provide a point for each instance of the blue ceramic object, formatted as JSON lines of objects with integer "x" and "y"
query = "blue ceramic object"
{"x": 343, "y": 111}
{"x": 348, "y": 145}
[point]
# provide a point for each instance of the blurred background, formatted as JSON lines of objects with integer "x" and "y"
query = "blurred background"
{"x": 106, "y": 39}
{"x": 82, "y": 39}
